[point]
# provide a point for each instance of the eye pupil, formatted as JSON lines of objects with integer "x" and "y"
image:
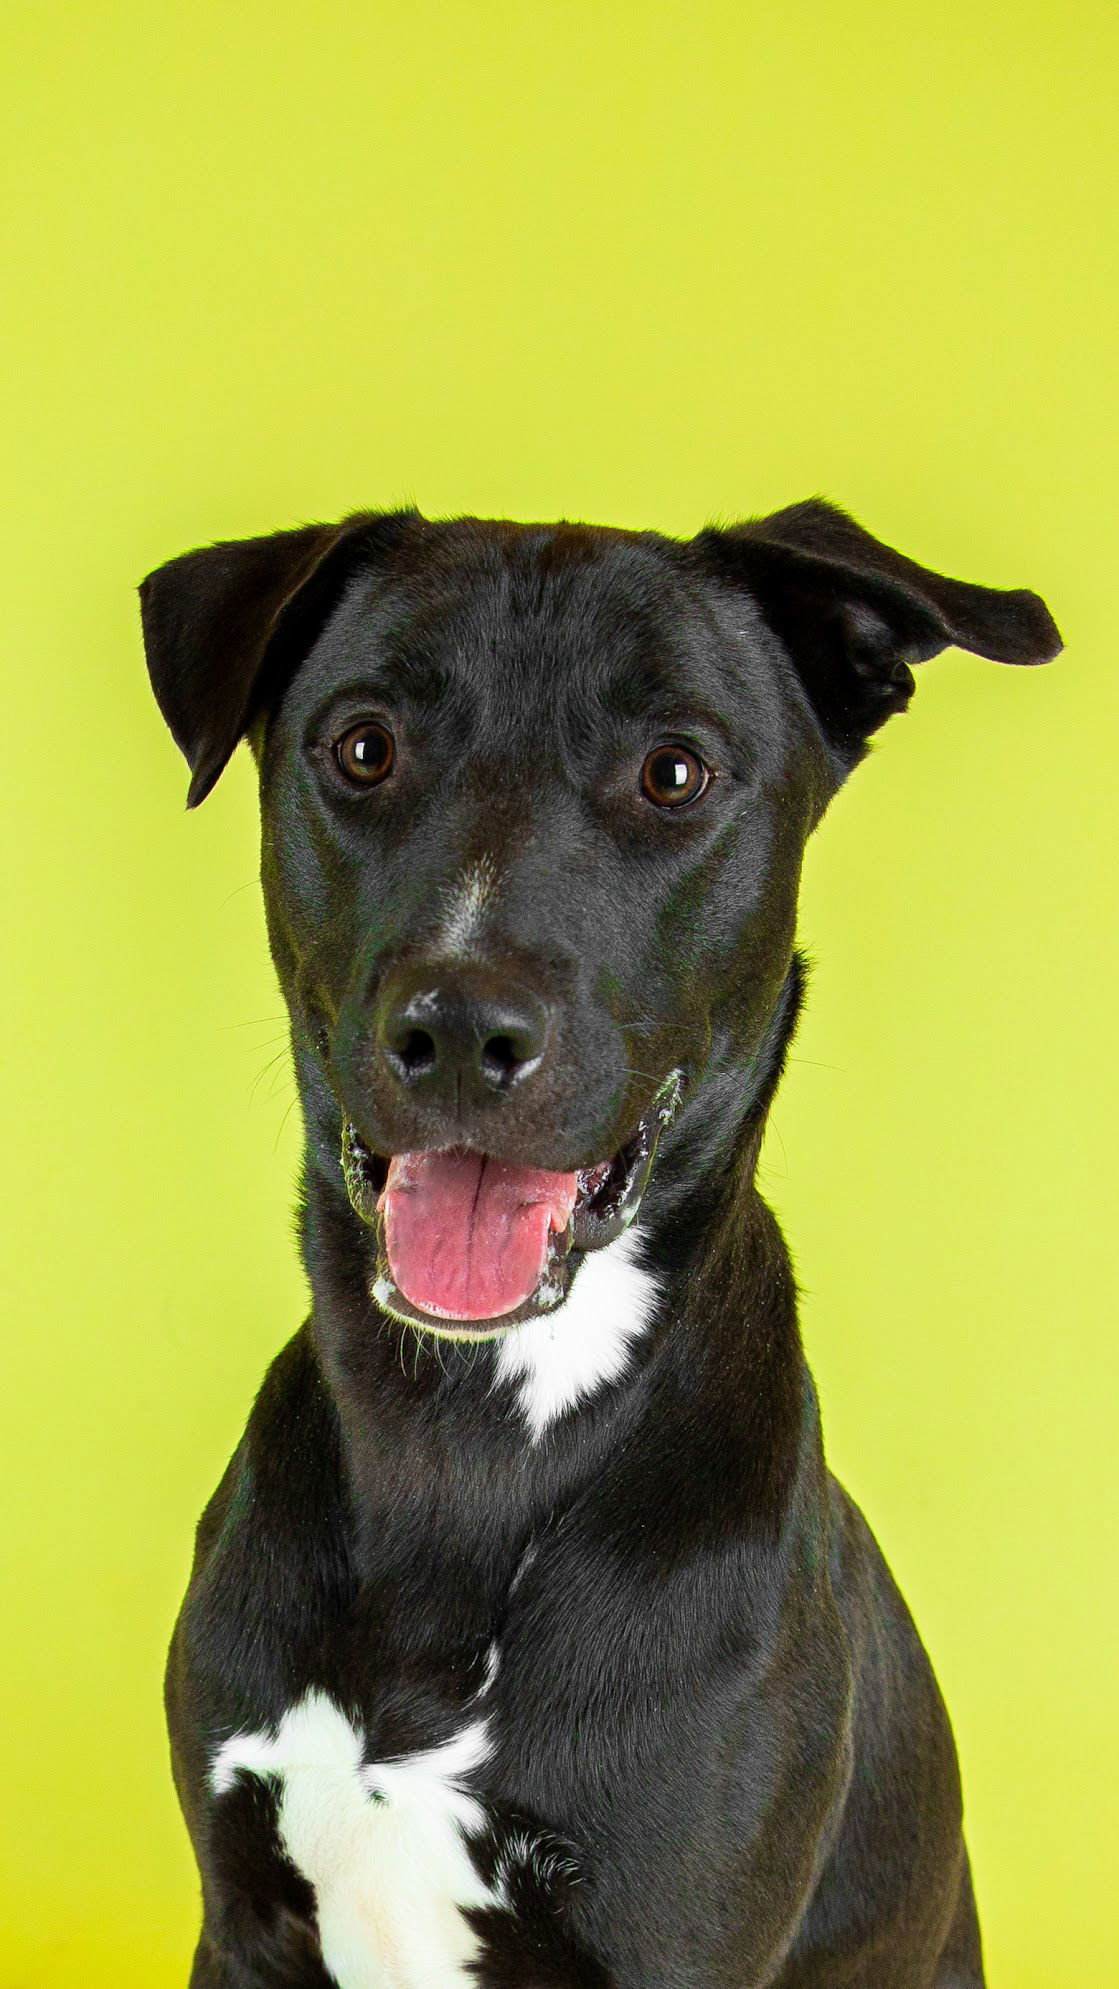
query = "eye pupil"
{"x": 366, "y": 754}
{"x": 672, "y": 776}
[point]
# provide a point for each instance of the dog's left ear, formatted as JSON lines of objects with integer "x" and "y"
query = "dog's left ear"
{"x": 222, "y": 626}
{"x": 853, "y": 614}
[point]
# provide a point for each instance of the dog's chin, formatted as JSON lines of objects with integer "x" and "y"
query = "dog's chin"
{"x": 600, "y": 1203}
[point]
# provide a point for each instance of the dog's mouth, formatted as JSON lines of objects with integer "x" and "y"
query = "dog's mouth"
{"x": 469, "y": 1246}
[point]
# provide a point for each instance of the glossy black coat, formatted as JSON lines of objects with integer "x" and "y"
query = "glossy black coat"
{"x": 712, "y": 1710}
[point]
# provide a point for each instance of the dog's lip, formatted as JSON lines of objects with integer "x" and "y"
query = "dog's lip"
{"x": 610, "y": 1193}
{"x": 608, "y": 1198}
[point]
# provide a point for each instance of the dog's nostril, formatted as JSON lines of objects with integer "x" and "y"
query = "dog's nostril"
{"x": 416, "y": 1052}
{"x": 503, "y": 1056}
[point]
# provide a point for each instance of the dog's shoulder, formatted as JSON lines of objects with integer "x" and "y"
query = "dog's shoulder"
{"x": 272, "y": 1548}
{"x": 286, "y": 1471}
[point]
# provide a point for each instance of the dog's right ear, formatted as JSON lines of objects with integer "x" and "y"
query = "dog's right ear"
{"x": 223, "y": 625}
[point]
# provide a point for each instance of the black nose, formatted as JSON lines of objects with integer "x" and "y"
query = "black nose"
{"x": 460, "y": 1038}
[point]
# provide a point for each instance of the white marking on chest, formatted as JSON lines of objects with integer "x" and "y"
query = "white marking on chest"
{"x": 586, "y": 1341}
{"x": 383, "y": 1845}
{"x": 467, "y": 908}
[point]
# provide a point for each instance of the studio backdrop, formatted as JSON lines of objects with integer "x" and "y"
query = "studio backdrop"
{"x": 650, "y": 265}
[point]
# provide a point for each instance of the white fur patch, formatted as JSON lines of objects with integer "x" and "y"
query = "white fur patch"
{"x": 383, "y": 1845}
{"x": 544, "y": 1865}
{"x": 467, "y": 908}
{"x": 586, "y": 1341}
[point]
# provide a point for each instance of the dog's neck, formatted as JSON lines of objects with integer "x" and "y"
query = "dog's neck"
{"x": 438, "y": 1460}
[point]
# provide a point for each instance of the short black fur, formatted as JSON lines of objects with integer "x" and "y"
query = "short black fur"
{"x": 720, "y": 1759}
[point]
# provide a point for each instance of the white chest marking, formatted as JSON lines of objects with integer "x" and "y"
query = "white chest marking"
{"x": 382, "y": 1845}
{"x": 586, "y": 1341}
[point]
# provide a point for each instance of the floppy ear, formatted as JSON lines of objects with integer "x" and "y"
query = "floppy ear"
{"x": 853, "y": 614}
{"x": 222, "y": 625}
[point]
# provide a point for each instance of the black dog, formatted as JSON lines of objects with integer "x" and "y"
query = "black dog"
{"x": 529, "y": 1641}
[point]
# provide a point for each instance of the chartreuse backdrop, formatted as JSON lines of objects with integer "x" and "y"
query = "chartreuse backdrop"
{"x": 641, "y": 263}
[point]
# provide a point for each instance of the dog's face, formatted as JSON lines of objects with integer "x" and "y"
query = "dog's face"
{"x": 534, "y": 805}
{"x": 532, "y": 837}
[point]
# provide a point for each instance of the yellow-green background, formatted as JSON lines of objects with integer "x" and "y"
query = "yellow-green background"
{"x": 643, "y": 263}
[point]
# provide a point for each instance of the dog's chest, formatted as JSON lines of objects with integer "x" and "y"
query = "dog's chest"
{"x": 384, "y": 1845}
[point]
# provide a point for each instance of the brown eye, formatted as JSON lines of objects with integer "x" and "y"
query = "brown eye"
{"x": 672, "y": 776}
{"x": 366, "y": 754}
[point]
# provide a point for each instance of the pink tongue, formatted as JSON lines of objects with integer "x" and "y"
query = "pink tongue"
{"x": 466, "y": 1236}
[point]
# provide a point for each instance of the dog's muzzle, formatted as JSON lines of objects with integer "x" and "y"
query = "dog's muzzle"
{"x": 470, "y": 1246}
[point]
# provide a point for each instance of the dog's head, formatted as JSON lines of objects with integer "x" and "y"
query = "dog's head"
{"x": 534, "y": 805}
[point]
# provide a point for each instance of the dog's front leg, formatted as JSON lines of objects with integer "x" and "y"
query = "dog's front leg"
{"x": 687, "y": 1729}
{"x": 284, "y": 1957}
{"x": 215, "y": 1971}
{"x": 533, "y": 1946}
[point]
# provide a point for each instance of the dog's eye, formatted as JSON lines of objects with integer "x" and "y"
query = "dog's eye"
{"x": 366, "y": 754}
{"x": 672, "y": 776}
